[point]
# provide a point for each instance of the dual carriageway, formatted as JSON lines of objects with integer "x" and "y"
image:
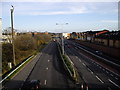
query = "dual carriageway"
{"x": 47, "y": 68}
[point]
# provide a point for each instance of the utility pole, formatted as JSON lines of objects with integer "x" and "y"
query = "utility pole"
{"x": 12, "y": 9}
{"x": 62, "y": 42}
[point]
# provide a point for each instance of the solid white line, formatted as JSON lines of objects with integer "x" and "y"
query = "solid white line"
{"x": 96, "y": 62}
{"x": 45, "y": 82}
{"x": 15, "y": 69}
{"x": 114, "y": 83}
{"x": 99, "y": 79}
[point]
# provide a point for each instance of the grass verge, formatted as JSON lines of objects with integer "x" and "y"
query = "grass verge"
{"x": 69, "y": 66}
{"x": 21, "y": 67}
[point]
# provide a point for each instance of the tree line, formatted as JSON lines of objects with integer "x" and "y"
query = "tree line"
{"x": 25, "y": 46}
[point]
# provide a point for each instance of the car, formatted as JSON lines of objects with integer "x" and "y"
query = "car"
{"x": 99, "y": 52}
{"x": 65, "y": 43}
{"x": 31, "y": 85}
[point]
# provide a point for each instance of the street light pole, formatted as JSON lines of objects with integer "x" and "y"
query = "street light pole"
{"x": 62, "y": 38}
{"x": 12, "y": 9}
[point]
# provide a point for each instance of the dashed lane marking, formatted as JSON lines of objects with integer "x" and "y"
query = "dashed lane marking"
{"x": 99, "y": 79}
{"x": 45, "y": 82}
{"x": 79, "y": 60}
{"x": 47, "y": 68}
{"x": 83, "y": 64}
{"x": 109, "y": 88}
{"x": 116, "y": 78}
{"x": 107, "y": 72}
{"x": 111, "y": 75}
{"x": 113, "y": 83}
{"x": 76, "y": 48}
{"x": 90, "y": 70}
{"x": 76, "y": 56}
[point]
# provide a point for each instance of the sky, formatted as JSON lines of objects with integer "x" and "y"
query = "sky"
{"x": 43, "y": 16}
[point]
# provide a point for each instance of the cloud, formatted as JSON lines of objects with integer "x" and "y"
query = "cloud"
{"x": 70, "y": 10}
{"x": 60, "y": 0}
{"x": 49, "y": 8}
{"x": 59, "y": 8}
{"x": 109, "y": 21}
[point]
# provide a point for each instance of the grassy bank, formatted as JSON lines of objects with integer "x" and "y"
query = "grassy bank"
{"x": 67, "y": 63}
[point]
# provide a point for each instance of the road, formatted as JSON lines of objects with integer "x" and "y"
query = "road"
{"x": 48, "y": 69}
{"x": 95, "y": 75}
{"x": 45, "y": 67}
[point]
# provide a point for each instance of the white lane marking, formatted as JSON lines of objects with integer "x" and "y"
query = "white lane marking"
{"x": 99, "y": 79}
{"x": 79, "y": 60}
{"x": 111, "y": 75}
{"x": 109, "y": 88}
{"x": 116, "y": 78}
{"x": 106, "y": 71}
{"x": 83, "y": 64}
{"x": 90, "y": 70}
{"x": 114, "y": 83}
{"x": 75, "y": 47}
{"x": 103, "y": 69}
{"x": 45, "y": 82}
{"x": 47, "y": 68}
{"x": 97, "y": 63}
{"x": 48, "y": 60}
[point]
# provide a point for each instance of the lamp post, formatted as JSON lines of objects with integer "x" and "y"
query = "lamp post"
{"x": 12, "y": 9}
{"x": 62, "y": 37}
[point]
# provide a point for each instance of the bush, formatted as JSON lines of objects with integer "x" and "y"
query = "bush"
{"x": 25, "y": 46}
{"x": 7, "y": 56}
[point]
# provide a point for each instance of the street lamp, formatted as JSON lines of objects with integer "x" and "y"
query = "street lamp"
{"x": 12, "y": 9}
{"x": 62, "y": 36}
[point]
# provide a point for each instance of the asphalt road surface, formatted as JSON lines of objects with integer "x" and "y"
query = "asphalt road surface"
{"x": 45, "y": 67}
{"x": 92, "y": 73}
{"x": 49, "y": 71}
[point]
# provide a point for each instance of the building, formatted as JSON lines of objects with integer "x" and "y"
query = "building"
{"x": 110, "y": 39}
{"x": 66, "y": 35}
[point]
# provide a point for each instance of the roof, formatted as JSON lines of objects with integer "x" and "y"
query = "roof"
{"x": 114, "y": 35}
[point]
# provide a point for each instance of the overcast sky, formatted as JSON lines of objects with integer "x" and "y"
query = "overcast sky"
{"x": 43, "y": 16}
